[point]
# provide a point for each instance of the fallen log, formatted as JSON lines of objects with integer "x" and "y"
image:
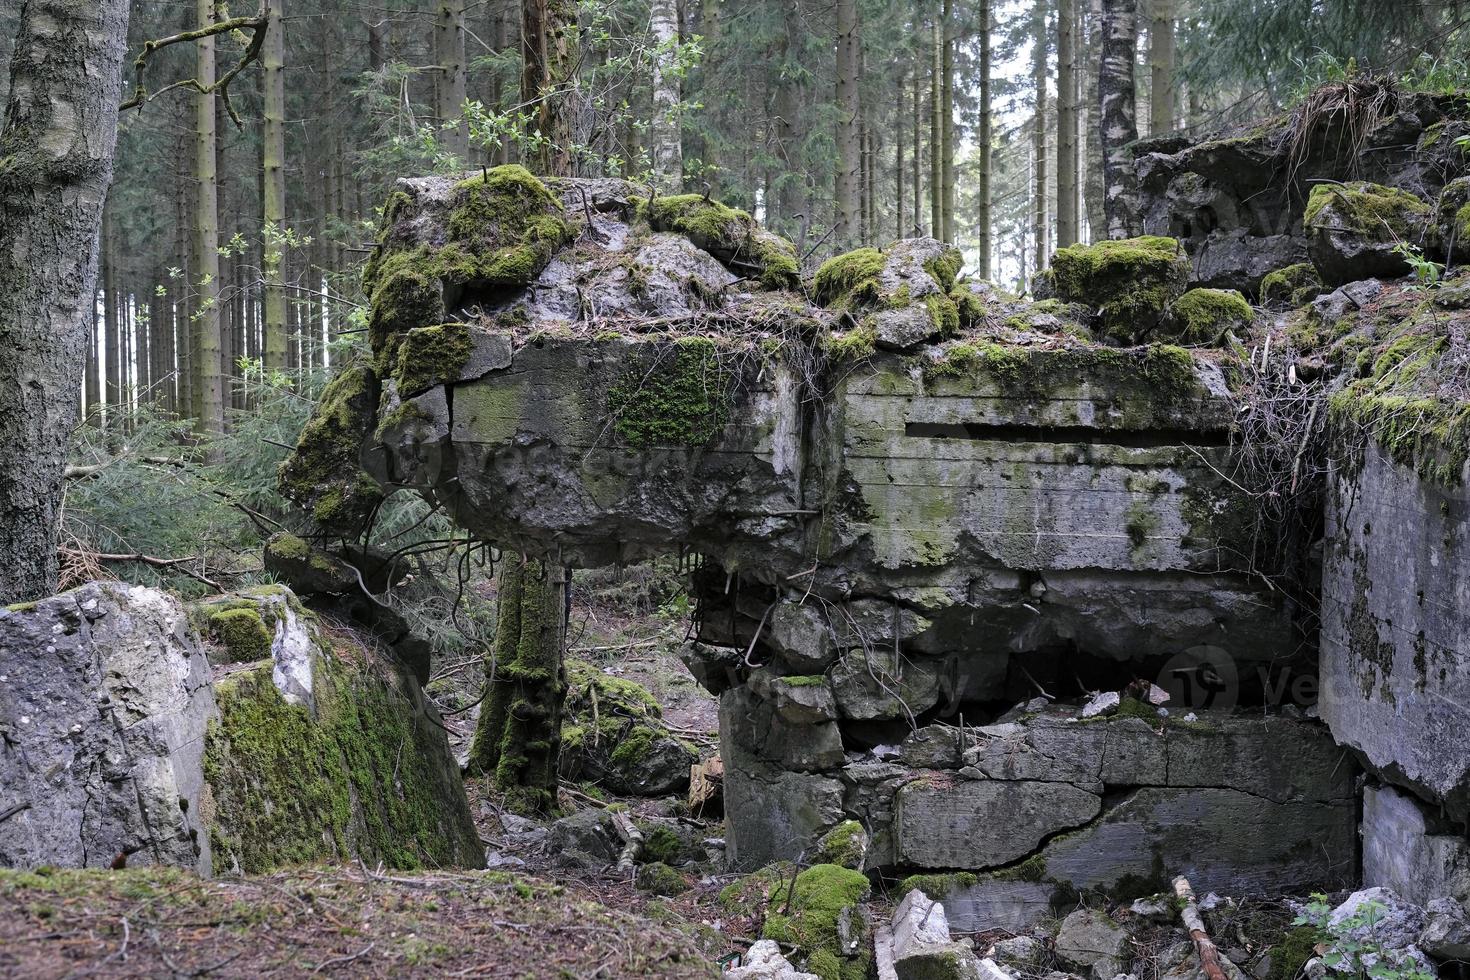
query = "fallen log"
{"x": 1209, "y": 955}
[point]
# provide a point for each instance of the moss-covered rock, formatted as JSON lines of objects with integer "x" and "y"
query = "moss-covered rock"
{"x": 500, "y": 231}
{"x": 901, "y": 297}
{"x": 323, "y": 472}
{"x": 614, "y": 735}
{"x": 1293, "y": 285}
{"x": 1205, "y": 316}
{"x": 1356, "y": 230}
{"x": 361, "y": 772}
{"x": 821, "y": 914}
{"x": 845, "y": 845}
{"x": 241, "y": 633}
{"x": 729, "y": 235}
{"x": 658, "y": 878}
{"x": 1131, "y": 283}
{"x": 850, "y": 278}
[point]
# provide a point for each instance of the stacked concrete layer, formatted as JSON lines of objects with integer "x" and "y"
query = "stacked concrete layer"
{"x": 1395, "y": 667}
{"x": 1049, "y": 807}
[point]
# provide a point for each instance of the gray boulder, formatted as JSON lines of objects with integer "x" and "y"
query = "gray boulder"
{"x": 588, "y": 839}
{"x": 764, "y": 961}
{"x": 104, "y": 705}
{"x": 1092, "y": 944}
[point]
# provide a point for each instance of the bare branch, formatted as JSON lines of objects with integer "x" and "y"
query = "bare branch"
{"x": 257, "y": 25}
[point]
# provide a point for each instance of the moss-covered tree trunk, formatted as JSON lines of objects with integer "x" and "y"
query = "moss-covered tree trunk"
{"x": 518, "y": 740}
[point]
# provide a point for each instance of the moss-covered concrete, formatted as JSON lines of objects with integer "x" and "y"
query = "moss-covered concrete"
{"x": 678, "y": 395}
{"x": 1292, "y": 285}
{"x": 1204, "y": 316}
{"x": 730, "y": 235}
{"x": 1131, "y": 283}
{"x": 323, "y": 473}
{"x": 429, "y": 356}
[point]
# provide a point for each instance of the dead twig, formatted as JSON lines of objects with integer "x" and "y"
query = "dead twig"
{"x": 1209, "y": 956}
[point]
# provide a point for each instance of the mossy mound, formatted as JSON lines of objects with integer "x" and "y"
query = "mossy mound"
{"x": 323, "y": 473}
{"x": 1205, "y": 316}
{"x": 1409, "y": 403}
{"x": 502, "y": 229}
{"x": 850, "y": 278}
{"x": 1166, "y": 372}
{"x": 366, "y": 775}
{"x": 679, "y": 394}
{"x": 820, "y": 913}
{"x": 242, "y": 633}
{"x": 660, "y": 879}
{"x": 1131, "y": 283}
{"x": 937, "y": 886}
{"x": 614, "y": 735}
{"x": 1293, "y": 285}
{"x": 729, "y": 235}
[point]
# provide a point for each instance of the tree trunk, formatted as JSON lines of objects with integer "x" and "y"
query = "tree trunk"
{"x": 936, "y": 134}
{"x": 518, "y": 738}
{"x": 987, "y": 137}
{"x": 111, "y": 311}
{"x": 1040, "y": 222}
{"x": 947, "y": 120}
{"x": 916, "y": 163}
{"x": 790, "y": 197}
{"x": 849, "y": 146}
{"x": 1093, "y": 148}
{"x": 668, "y": 150}
{"x": 1163, "y": 98}
{"x": 1067, "y": 169}
{"x": 1117, "y": 125}
{"x": 273, "y": 198}
{"x": 57, "y": 143}
{"x": 900, "y": 175}
{"x": 209, "y": 409}
{"x": 548, "y": 62}
{"x": 449, "y": 41}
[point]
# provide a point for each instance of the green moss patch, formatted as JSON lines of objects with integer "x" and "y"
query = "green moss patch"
{"x": 845, "y": 844}
{"x": 937, "y": 886}
{"x": 1202, "y": 316}
{"x": 369, "y": 777}
{"x": 808, "y": 916}
{"x": 1131, "y": 282}
{"x": 1371, "y": 211}
{"x": 850, "y": 279}
{"x": 681, "y": 397}
{"x": 660, "y": 879}
{"x": 242, "y": 634}
{"x": 1163, "y": 372}
{"x": 431, "y": 356}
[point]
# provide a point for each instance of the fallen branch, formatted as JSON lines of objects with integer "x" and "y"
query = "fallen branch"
{"x": 632, "y": 842}
{"x": 1209, "y": 956}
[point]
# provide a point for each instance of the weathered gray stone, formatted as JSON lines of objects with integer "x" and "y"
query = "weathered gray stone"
{"x": 763, "y": 961}
{"x": 1223, "y": 840}
{"x": 801, "y": 637}
{"x": 772, "y": 814}
{"x": 1387, "y": 924}
{"x": 1408, "y": 849}
{"x": 1020, "y": 951}
{"x": 984, "y": 824}
{"x": 1092, "y": 944}
{"x": 1446, "y": 934}
{"x": 104, "y": 704}
{"x": 996, "y": 902}
{"x": 801, "y": 700}
{"x": 877, "y": 684}
{"x": 1354, "y": 229}
{"x": 587, "y": 839}
{"x": 933, "y": 747}
{"x": 904, "y": 329}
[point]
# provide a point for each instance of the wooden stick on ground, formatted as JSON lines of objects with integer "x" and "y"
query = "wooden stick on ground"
{"x": 1209, "y": 956}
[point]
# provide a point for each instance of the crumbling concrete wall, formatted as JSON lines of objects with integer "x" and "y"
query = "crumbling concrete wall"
{"x": 1395, "y": 667}
{"x": 916, "y": 499}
